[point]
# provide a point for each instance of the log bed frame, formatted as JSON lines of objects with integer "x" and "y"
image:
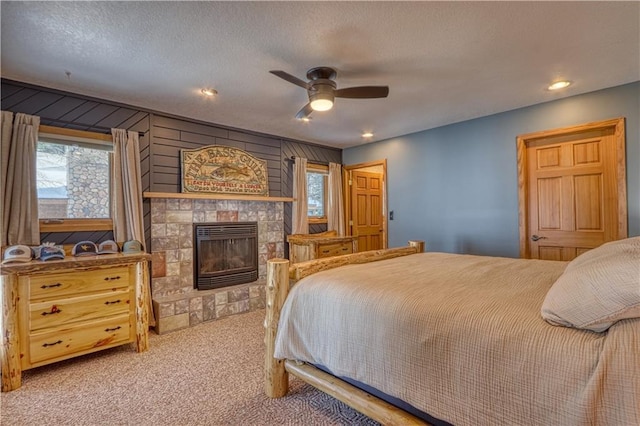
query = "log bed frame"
{"x": 276, "y": 371}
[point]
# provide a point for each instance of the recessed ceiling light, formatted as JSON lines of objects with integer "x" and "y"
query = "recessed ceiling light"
{"x": 367, "y": 135}
{"x": 559, "y": 85}
{"x": 305, "y": 119}
{"x": 209, "y": 92}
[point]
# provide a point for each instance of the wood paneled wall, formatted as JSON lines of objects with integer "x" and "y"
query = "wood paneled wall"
{"x": 170, "y": 135}
{"x": 161, "y": 138}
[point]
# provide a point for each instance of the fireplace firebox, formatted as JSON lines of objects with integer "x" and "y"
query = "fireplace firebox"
{"x": 225, "y": 253}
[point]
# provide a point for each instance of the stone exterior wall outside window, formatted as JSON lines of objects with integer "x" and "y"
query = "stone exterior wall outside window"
{"x": 87, "y": 183}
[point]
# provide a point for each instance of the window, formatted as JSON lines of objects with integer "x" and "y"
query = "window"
{"x": 73, "y": 173}
{"x": 317, "y": 177}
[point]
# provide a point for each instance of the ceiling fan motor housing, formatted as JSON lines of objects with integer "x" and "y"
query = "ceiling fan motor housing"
{"x": 321, "y": 73}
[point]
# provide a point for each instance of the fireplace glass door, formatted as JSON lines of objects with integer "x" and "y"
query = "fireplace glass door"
{"x": 226, "y": 254}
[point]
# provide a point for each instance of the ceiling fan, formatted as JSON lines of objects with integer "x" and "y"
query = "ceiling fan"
{"x": 322, "y": 90}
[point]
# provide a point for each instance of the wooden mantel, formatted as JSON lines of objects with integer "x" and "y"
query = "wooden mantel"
{"x": 208, "y": 196}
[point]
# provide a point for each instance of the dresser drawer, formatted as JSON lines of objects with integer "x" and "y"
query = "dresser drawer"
{"x": 82, "y": 338}
{"x": 335, "y": 249}
{"x": 52, "y": 286}
{"x": 82, "y": 308}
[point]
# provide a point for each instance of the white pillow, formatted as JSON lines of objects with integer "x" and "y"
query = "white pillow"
{"x": 598, "y": 288}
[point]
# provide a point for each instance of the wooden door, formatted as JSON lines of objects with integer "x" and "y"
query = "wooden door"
{"x": 366, "y": 209}
{"x": 575, "y": 190}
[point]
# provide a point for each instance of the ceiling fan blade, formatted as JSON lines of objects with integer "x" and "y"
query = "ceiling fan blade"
{"x": 362, "y": 92}
{"x": 291, "y": 79}
{"x": 304, "y": 112}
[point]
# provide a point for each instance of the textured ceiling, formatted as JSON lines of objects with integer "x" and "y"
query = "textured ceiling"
{"x": 443, "y": 61}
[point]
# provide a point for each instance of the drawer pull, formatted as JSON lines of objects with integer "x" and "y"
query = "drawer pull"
{"x": 51, "y": 344}
{"x": 108, "y": 302}
{"x": 54, "y": 310}
{"x": 112, "y": 278}
{"x": 325, "y": 251}
{"x": 44, "y": 286}
{"x": 112, "y": 329}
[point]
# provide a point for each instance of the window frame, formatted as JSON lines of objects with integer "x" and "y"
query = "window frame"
{"x": 323, "y": 170}
{"x": 74, "y": 224}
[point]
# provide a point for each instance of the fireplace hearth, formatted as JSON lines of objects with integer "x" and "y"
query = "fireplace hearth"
{"x": 225, "y": 254}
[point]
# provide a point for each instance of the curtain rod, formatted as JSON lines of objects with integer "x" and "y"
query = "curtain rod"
{"x": 70, "y": 123}
{"x": 323, "y": 163}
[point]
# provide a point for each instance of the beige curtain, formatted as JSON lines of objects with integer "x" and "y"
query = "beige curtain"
{"x": 335, "y": 209}
{"x": 19, "y": 191}
{"x": 126, "y": 191}
{"x": 300, "y": 220}
{"x": 126, "y": 195}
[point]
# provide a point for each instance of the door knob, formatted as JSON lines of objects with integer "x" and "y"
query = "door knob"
{"x": 536, "y": 238}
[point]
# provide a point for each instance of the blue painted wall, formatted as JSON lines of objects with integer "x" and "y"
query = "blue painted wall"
{"x": 456, "y": 186}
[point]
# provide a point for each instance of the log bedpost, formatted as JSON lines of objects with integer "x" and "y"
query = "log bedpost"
{"x": 9, "y": 350}
{"x": 142, "y": 306}
{"x": 417, "y": 244}
{"x": 276, "y": 378}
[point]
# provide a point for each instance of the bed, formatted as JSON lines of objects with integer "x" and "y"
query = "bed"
{"x": 462, "y": 339}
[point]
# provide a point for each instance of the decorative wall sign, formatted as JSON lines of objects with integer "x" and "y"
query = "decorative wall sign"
{"x": 223, "y": 170}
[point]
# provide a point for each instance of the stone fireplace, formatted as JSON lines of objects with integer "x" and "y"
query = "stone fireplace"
{"x": 177, "y": 301}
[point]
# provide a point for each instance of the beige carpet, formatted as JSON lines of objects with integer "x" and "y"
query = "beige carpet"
{"x": 210, "y": 374}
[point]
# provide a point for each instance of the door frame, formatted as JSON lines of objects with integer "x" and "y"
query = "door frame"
{"x": 522, "y": 141}
{"x": 346, "y": 189}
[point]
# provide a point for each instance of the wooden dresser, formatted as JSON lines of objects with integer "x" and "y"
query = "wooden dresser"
{"x": 60, "y": 309}
{"x": 304, "y": 247}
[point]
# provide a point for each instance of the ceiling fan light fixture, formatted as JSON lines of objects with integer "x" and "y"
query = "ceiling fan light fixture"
{"x": 321, "y": 101}
{"x": 322, "y": 104}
